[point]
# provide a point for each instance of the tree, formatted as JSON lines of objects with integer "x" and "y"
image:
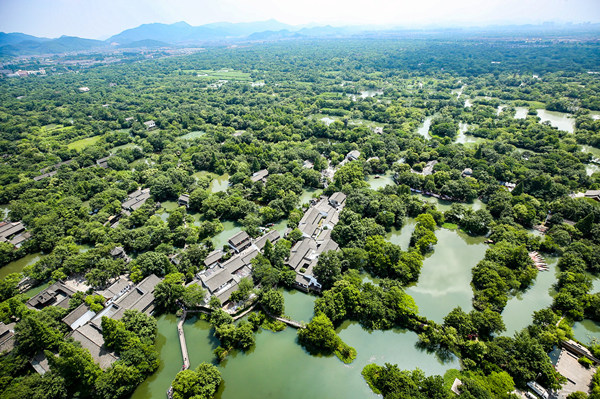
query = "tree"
{"x": 169, "y": 291}
{"x": 193, "y": 295}
{"x": 201, "y": 383}
{"x": 328, "y": 269}
{"x": 8, "y": 286}
{"x": 77, "y": 367}
{"x": 153, "y": 263}
{"x": 319, "y": 335}
{"x": 118, "y": 381}
{"x": 32, "y": 335}
{"x": 272, "y": 302}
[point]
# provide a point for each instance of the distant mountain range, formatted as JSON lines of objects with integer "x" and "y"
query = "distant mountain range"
{"x": 158, "y": 35}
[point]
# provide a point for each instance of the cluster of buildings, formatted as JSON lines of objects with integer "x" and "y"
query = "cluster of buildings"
{"x": 22, "y": 73}
{"x": 221, "y": 276}
{"x": 85, "y": 324}
{"x": 316, "y": 226}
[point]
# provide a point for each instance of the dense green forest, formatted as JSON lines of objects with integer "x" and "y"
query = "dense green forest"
{"x": 275, "y": 106}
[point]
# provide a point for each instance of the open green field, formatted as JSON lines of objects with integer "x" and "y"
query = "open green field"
{"x": 81, "y": 144}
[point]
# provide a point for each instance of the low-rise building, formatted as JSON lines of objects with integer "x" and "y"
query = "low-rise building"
{"x": 213, "y": 259}
{"x": 337, "y": 199}
{"x": 240, "y": 241}
{"x": 13, "y": 233}
{"x": 7, "y": 337}
{"x": 353, "y": 155}
{"x": 136, "y": 199}
{"x": 58, "y": 294}
{"x": 184, "y": 200}
{"x": 261, "y": 176}
{"x": 150, "y": 125}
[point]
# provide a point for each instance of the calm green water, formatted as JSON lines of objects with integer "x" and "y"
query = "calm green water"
{"x": 423, "y": 130}
{"x": 560, "y": 120}
{"x": 521, "y": 112}
{"x": 464, "y": 138}
{"x": 298, "y": 305}
{"x": 519, "y": 310}
{"x": 218, "y": 183}
{"x": 443, "y": 206}
{"x": 167, "y": 343}
{"x": 402, "y": 237}
{"x": 382, "y": 181}
{"x": 586, "y": 331}
{"x": 229, "y": 229}
{"x": 445, "y": 280}
{"x": 18, "y": 265}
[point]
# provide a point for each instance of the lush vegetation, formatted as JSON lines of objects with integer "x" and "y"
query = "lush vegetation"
{"x": 279, "y": 126}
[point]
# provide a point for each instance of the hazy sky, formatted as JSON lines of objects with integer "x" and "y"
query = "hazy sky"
{"x": 103, "y": 18}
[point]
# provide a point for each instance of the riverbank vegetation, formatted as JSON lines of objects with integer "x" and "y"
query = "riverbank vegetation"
{"x": 495, "y": 152}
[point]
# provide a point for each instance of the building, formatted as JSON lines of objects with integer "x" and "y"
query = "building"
{"x": 240, "y": 241}
{"x": 593, "y": 194}
{"x": 316, "y": 226}
{"x": 136, "y": 199}
{"x": 119, "y": 287}
{"x": 353, "y": 155}
{"x": 213, "y": 259}
{"x": 13, "y": 233}
{"x": 119, "y": 253}
{"x": 184, "y": 200}
{"x": 7, "y": 337}
{"x": 221, "y": 278}
{"x": 58, "y": 294}
{"x": 337, "y": 199}
{"x": 150, "y": 125}
{"x": 78, "y": 317}
{"x": 90, "y": 337}
{"x": 261, "y": 176}
{"x": 84, "y": 89}
{"x": 103, "y": 162}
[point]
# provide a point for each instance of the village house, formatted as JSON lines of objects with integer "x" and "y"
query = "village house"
{"x": 84, "y": 89}
{"x": 337, "y": 199}
{"x": 353, "y": 155}
{"x": 467, "y": 172}
{"x": 184, "y": 200}
{"x": 7, "y": 337}
{"x": 103, "y": 162}
{"x": 14, "y": 233}
{"x": 593, "y": 194}
{"x": 58, "y": 294}
{"x": 136, "y": 199}
{"x": 150, "y": 125}
{"x": 261, "y": 176}
{"x": 240, "y": 241}
{"x": 213, "y": 259}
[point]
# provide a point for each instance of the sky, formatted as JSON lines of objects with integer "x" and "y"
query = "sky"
{"x": 99, "y": 19}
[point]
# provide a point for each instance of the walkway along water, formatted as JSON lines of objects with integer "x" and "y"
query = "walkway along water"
{"x": 182, "y": 342}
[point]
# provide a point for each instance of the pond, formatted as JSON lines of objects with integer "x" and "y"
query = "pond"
{"x": 229, "y": 229}
{"x": 4, "y": 211}
{"x": 466, "y": 138}
{"x": 277, "y": 366}
{"x": 521, "y": 112}
{"x": 218, "y": 182}
{"x": 560, "y": 120}
{"x": 371, "y": 93}
{"x": 445, "y": 280}
{"x": 381, "y": 181}
{"x": 423, "y": 130}
{"x": 443, "y": 205}
{"x": 18, "y": 265}
{"x": 298, "y": 305}
{"x": 586, "y": 331}
{"x": 402, "y": 236}
{"x": 519, "y": 310}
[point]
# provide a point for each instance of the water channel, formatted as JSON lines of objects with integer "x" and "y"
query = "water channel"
{"x": 277, "y": 366}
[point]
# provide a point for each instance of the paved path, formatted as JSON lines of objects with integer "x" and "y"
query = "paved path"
{"x": 184, "y": 351}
